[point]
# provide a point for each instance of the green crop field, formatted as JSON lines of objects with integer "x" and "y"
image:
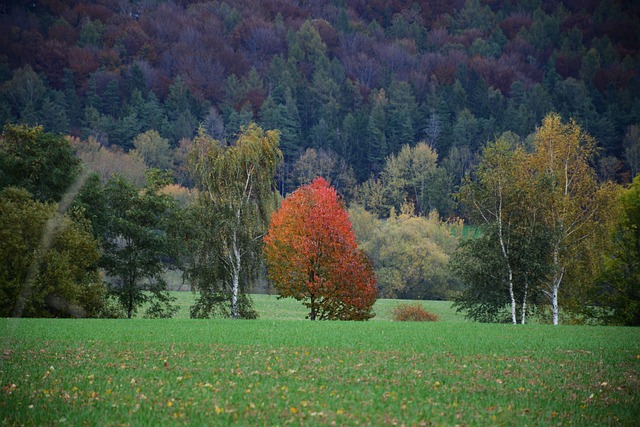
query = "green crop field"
{"x": 271, "y": 307}
{"x": 282, "y": 370}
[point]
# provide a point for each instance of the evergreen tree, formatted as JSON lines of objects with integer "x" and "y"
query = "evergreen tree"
{"x": 110, "y": 99}
{"x": 377, "y": 146}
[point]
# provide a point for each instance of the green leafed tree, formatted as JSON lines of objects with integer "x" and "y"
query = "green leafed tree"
{"x": 410, "y": 253}
{"x": 547, "y": 214}
{"x": 414, "y": 175}
{"x": 136, "y": 233}
{"x": 507, "y": 264}
{"x": 40, "y": 162}
{"x": 154, "y": 149}
{"x": 619, "y": 290}
{"x": 48, "y": 261}
{"x": 237, "y": 195}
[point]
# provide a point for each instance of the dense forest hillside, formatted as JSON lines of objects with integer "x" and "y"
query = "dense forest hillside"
{"x": 355, "y": 80}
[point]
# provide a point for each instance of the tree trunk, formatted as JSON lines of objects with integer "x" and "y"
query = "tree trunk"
{"x": 509, "y": 270}
{"x": 234, "y": 296}
{"x": 558, "y": 273}
{"x": 524, "y": 302}
{"x": 513, "y": 298}
{"x": 235, "y": 263}
{"x": 312, "y": 315}
{"x": 130, "y": 305}
{"x": 554, "y": 303}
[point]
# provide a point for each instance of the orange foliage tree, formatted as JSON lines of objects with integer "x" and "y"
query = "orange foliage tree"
{"x": 312, "y": 256}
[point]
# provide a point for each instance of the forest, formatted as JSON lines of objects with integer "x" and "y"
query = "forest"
{"x": 394, "y": 103}
{"x": 353, "y": 80}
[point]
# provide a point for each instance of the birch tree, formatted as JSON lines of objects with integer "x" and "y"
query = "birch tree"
{"x": 237, "y": 196}
{"x": 514, "y": 239}
{"x": 490, "y": 196}
{"x": 574, "y": 205}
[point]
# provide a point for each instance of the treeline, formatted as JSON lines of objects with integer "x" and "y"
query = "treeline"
{"x": 551, "y": 240}
{"x": 83, "y": 238}
{"x": 354, "y": 81}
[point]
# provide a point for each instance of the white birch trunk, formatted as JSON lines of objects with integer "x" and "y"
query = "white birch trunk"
{"x": 235, "y": 265}
{"x": 555, "y": 286}
{"x": 524, "y": 303}
{"x": 506, "y": 258}
{"x": 234, "y": 297}
{"x": 513, "y": 298}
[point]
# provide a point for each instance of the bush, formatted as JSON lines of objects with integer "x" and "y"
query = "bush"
{"x": 412, "y": 313}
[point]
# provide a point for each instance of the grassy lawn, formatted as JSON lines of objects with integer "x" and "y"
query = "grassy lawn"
{"x": 270, "y": 307}
{"x": 277, "y": 371}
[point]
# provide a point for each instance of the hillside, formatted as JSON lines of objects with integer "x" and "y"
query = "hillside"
{"x": 354, "y": 79}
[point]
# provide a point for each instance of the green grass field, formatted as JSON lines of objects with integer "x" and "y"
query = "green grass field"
{"x": 271, "y": 307}
{"x": 281, "y": 370}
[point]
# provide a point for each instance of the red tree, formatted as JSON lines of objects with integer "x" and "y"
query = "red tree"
{"x": 312, "y": 255}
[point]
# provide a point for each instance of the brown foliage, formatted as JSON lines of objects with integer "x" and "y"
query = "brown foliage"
{"x": 82, "y": 61}
{"x": 414, "y": 312}
{"x": 94, "y": 11}
{"x": 512, "y": 25}
{"x": 52, "y": 60}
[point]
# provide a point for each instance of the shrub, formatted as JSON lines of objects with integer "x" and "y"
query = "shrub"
{"x": 412, "y": 313}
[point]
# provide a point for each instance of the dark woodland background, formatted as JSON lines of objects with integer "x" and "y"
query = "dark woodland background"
{"x": 353, "y": 79}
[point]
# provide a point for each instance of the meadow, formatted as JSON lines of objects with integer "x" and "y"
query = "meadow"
{"x": 281, "y": 369}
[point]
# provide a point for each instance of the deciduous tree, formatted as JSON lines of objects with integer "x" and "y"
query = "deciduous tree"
{"x": 41, "y": 162}
{"x": 546, "y": 211}
{"x": 575, "y": 206}
{"x": 410, "y": 253}
{"x": 237, "y": 195}
{"x": 137, "y": 243}
{"x": 154, "y": 149}
{"x": 48, "y": 261}
{"x": 414, "y": 175}
{"x": 312, "y": 256}
{"x": 619, "y": 290}
{"x": 507, "y": 263}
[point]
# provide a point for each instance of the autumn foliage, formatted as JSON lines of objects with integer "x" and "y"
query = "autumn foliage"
{"x": 312, "y": 255}
{"x": 412, "y": 313}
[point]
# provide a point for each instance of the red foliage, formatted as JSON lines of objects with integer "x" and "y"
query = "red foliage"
{"x": 312, "y": 255}
{"x": 499, "y": 74}
{"x": 109, "y": 58}
{"x": 52, "y": 59}
{"x": 568, "y": 65}
{"x": 444, "y": 67}
{"x": 82, "y": 61}
{"x": 94, "y": 11}
{"x": 512, "y": 25}
{"x": 328, "y": 34}
{"x": 64, "y": 33}
{"x": 616, "y": 77}
{"x": 132, "y": 37}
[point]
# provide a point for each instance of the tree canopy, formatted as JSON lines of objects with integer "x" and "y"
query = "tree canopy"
{"x": 410, "y": 252}
{"x": 237, "y": 193}
{"x": 312, "y": 256}
{"x": 619, "y": 290}
{"x": 362, "y": 79}
{"x": 543, "y": 212}
{"x": 137, "y": 244}
{"x": 39, "y": 161}
{"x": 48, "y": 261}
